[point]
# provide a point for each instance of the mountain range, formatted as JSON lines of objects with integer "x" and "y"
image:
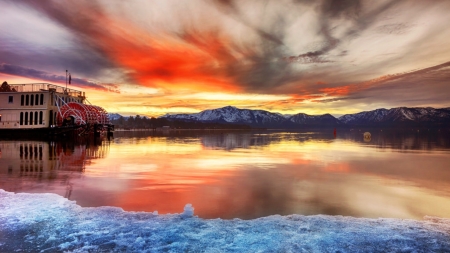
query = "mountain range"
{"x": 401, "y": 116}
{"x": 115, "y": 116}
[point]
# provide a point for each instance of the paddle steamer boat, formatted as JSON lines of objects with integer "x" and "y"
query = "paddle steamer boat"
{"x": 48, "y": 109}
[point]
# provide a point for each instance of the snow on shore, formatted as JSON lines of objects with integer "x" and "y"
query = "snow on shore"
{"x": 51, "y": 223}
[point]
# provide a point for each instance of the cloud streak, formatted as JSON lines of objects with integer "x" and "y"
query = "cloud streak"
{"x": 41, "y": 75}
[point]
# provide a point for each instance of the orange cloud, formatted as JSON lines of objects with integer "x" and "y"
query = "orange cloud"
{"x": 163, "y": 61}
{"x": 336, "y": 91}
{"x": 173, "y": 65}
{"x": 195, "y": 60}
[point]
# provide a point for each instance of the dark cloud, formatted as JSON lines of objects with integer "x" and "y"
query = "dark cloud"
{"x": 329, "y": 100}
{"x": 310, "y": 57}
{"x": 341, "y": 8}
{"x": 60, "y": 54}
{"x": 231, "y": 8}
{"x": 423, "y": 87}
{"x": 329, "y": 12}
{"x": 37, "y": 74}
{"x": 263, "y": 69}
{"x": 397, "y": 28}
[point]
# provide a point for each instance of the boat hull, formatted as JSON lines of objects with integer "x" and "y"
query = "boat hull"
{"x": 32, "y": 132}
{"x": 64, "y": 131}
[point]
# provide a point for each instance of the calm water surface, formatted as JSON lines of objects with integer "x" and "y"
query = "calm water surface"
{"x": 241, "y": 174}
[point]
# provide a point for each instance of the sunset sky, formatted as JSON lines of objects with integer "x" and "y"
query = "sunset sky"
{"x": 288, "y": 56}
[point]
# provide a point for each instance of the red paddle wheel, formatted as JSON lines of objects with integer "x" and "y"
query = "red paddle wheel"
{"x": 82, "y": 115}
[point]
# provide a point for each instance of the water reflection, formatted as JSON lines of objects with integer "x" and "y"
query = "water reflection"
{"x": 32, "y": 165}
{"x": 242, "y": 174}
{"x": 397, "y": 140}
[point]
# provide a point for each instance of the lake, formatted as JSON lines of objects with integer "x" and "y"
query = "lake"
{"x": 241, "y": 174}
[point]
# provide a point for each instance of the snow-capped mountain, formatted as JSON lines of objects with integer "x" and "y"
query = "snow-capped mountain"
{"x": 364, "y": 117}
{"x": 400, "y": 115}
{"x": 230, "y": 114}
{"x": 257, "y": 118}
{"x": 114, "y": 116}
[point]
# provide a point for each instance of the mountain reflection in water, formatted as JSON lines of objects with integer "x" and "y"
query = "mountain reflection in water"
{"x": 242, "y": 174}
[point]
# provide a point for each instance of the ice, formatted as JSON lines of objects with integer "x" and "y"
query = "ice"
{"x": 49, "y": 223}
{"x": 188, "y": 211}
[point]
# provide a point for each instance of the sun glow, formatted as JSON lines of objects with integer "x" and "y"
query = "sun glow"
{"x": 231, "y": 97}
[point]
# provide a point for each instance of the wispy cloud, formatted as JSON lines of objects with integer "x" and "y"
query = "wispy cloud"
{"x": 45, "y": 76}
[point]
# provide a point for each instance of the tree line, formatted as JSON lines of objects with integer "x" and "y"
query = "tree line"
{"x": 139, "y": 122}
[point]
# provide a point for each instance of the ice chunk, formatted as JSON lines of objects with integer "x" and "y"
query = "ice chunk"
{"x": 188, "y": 211}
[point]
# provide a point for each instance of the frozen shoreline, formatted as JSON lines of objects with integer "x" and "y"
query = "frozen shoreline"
{"x": 48, "y": 223}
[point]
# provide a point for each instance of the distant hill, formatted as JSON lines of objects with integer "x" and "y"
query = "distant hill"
{"x": 316, "y": 120}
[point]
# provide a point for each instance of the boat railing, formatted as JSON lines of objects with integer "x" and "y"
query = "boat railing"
{"x": 36, "y": 87}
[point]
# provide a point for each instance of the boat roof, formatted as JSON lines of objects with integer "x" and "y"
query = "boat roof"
{"x": 45, "y": 87}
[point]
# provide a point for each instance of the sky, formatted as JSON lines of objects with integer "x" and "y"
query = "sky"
{"x": 288, "y": 56}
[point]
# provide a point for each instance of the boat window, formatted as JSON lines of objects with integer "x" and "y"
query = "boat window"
{"x": 50, "y": 120}
{"x": 31, "y": 117}
{"x": 26, "y": 117}
{"x": 54, "y": 119}
{"x": 27, "y": 100}
{"x": 35, "y": 117}
{"x": 21, "y": 100}
{"x": 21, "y": 118}
{"x": 42, "y": 99}
{"x": 0, "y": 117}
{"x": 10, "y": 99}
{"x": 40, "y": 117}
{"x": 32, "y": 99}
{"x": 37, "y": 99}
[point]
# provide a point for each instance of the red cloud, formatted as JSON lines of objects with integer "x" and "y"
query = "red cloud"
{"x": 336, "y": 91}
